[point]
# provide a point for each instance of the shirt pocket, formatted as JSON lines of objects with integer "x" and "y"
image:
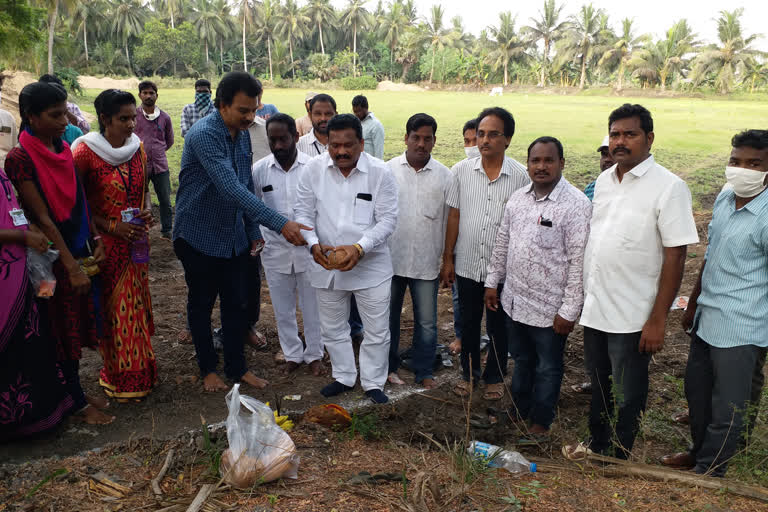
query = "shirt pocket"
{"x": 272, "y": 198}
{"x": 430, "y": 203}
{"x": 363, "y": 209}
{"x": 548, "y": 237}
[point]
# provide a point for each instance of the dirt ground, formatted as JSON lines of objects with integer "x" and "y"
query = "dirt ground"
{"x": 133, "y": 447}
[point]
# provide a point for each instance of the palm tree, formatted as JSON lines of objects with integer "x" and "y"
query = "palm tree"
{"x": 755, "y": 73}
{"x": 409, "y": 48}
{"x": 226, "y": 25}
{"x": 409, "y": 10}
{"x": 621, "y": 51}
{"x": 54, "y": 8}
{"x": 549, "y": 29}
{"x": 321, "y": 13}
{"x": 506, "y": 44}
{"x": 207, "y": 23}
{"x": 266, "y": 20}
{"x": 293, "y": 25}
{"x": 439, "y": 36}
{"x": 245, "y": 13}
{"x": 391, "y": 27}
{"x": 584, "y": 36}
{"x": 83, "y": 13}
{"x": 128, "y": 20}
{"x": 728, "y": 58}
{"x": 175, "y": 9}
{"x": 357, "y": 17}
{"x": 657, "y": 62}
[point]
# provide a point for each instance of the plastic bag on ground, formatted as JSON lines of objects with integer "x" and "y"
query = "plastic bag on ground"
{"x": 259, "y": 450}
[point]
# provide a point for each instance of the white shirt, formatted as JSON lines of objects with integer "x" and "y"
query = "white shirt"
{"x": 481, "y": 202}
{"x": 310, "y": 145}
{"x": 277, "y": 189}
{"x": 257, "y": 132}
{"x": 632, "y": 222}
{"x": 8, "y": 135}
{"x": 417, "y": 243}
{"x": 361, "y": 208}
{"x": 373, "y": 135}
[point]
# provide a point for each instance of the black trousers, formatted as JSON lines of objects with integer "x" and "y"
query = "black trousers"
{"x": 619, "y": 372}
{"x": 718, "y": 387}
{"x": 253, "y": 277}
{"x": 472, "y": 304}
{"x": 208, "y": 277}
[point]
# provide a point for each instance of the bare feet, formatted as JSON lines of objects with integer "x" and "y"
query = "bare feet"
{"x": 455, "y": 347}
{"x": 428, "y": 384}
{"x": 185, "y": 337}
{"x": 92, "y": 416}
{"x": 213, "y": 383}
{"x": 317, "y": 367}
{"x": 254, "y": 381}
{"x": 99, "y": 402}
{"x": 394, "y": 378}
{"x": 290, "y": 367}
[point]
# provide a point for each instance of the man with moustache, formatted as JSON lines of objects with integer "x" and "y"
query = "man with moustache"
{"x": 155, "y": 129}
{"x": 322, "y": 107}
{"x": 538, "y": 255}
{"x": 217, "y": 219}
{"x": 417, "y": 245}
{"x": 642, "y": 221}
{"x": 287, "y": 268}
{"x": 479, "y": 190}
{"x": 350, "y": 199}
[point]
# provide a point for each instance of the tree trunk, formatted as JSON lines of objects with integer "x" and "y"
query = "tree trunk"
{"x": 221, "y": 53}
{"x": 290, "y": 46}
{"x": 406, "y": 69}
{"x": 391, "y": 62}
{"x": 506, "y": 72}
{"x": 621, "y": 77}
{"x": 85, "y": 39}
{"x": 583, "y": 70}
{"x": 51, "y": 30}
{"x": 354, "y": 49}
{"x": 432, "y": 68}
{"x": 128, "y": 56}
{"x": 245, "y": 59}
{"x": 269, "y": 52}
{"x": 172, "y": 23}
{"x": 320, "y": 29}
{"x": 207, "y": 60}
{"x": 542, "y": 81}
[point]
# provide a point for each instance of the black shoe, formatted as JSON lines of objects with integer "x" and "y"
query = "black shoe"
{"x": 334, "y": 388}
{"x": 377, "y": 396}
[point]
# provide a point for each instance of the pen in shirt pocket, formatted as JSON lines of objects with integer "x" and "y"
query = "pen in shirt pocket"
{"x": 547, "y": 223}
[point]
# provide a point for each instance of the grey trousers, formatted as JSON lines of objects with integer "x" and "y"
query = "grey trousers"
{"x": 718, "y": 387}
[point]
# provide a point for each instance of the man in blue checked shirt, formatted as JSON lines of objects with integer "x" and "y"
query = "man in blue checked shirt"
{"x": 728, "y": 311}
{"x": 217, "y": 221}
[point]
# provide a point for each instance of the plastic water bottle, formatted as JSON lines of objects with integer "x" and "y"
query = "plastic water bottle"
{"x": 509, "y": 460}
{"x": 140, "y": 247}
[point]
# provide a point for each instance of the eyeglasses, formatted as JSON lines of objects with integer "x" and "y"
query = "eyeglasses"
{"x": 491, "y": 135}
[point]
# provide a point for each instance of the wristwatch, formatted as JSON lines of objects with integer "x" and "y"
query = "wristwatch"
{"x": 359, "y": 249}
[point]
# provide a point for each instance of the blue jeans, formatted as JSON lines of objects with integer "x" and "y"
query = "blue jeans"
{"x": 424, "y": 298}
{"x": 538, "y": 355}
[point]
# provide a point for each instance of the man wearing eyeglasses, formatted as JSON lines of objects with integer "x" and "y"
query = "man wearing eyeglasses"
{"x": 478, "y": 193}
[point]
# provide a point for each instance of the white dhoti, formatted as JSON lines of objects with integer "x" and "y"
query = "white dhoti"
{"x": 284, "y": 289}
{"x": 373, "y": 305}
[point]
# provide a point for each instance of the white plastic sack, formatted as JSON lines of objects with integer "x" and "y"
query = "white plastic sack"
{"x": 259, "y": 450}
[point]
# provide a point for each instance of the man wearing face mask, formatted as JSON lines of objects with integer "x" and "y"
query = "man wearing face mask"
{"x": 202, "y": 106}
{"x": 470, "y": 139}
{"x": 727, "y": 313}
{"x": 642, "y": 222}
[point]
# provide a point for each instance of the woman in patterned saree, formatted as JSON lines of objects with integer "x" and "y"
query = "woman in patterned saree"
{"x": 111, "y": 164}
{"x": 52, "y": 197}
{"x": 33, "y": 393}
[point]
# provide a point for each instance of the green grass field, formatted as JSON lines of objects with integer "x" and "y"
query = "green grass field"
{"x": 692, "y": 135}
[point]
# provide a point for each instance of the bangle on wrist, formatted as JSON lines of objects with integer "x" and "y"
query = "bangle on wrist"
{"x": 112, "y": 225}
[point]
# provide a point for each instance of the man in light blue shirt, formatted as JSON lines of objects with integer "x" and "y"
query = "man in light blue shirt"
{"x": 373, "y": 130}
{"x": 728, "y": 311}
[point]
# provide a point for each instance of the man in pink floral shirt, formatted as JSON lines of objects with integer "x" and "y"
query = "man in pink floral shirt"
{"x": 539, "y": 254}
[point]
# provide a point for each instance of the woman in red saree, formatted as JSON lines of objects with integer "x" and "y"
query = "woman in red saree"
{"x": 111, "y": 164}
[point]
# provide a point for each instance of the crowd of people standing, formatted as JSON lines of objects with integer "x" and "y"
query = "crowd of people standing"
{"x": 345, "y": 235}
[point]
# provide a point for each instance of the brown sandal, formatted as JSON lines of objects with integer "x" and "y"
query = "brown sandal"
{"x": 494, "y": 391}
{"x": 462, "y": 388}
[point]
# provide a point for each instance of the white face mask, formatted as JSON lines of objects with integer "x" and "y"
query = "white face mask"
{"x": 472, "y": 151}
{"x": 745, "y": 182}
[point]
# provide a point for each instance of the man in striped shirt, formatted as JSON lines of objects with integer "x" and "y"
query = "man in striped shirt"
{"x": 728, "y": 311}
{"x": 479, "y": 190}
{"x": 322, "y": 108}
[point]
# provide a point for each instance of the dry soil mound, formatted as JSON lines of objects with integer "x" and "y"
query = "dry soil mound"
{"x": 386, "y": 85}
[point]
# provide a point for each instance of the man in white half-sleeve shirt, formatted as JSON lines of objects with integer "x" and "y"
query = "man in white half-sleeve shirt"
{"x": 479, "y": 191}
{"x": 322, "y": 107}
{"x": 350, "y": 200}
{"x": 642, "y": 221}
{"x": 417, "y": 246}
{"x": 287, "y": 267}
